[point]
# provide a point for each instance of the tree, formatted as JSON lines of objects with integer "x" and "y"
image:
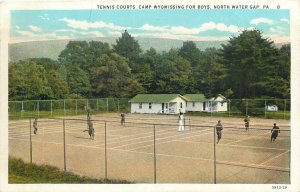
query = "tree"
{"x": 30, "y": 80}
{"x": 146, "y": 69}
{"x": 210, "y": 73}
{"x": 78, "y": 82}
{"x": 111, "y": 77}
{"x": 128, "y": 47}
{"x": 77, "y": 61}
{"x": 252, "y": 66}
{"x": 27, "y": 80}
{"x": 59, "y": 87}
{"x": 172, "y": 74}
{"x": 190, "y": 52}
{"x": 75, "y": 55}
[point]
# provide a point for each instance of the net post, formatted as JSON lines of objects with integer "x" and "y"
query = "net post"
{"x": 64, "y": 140}
{"x": 30, "y": 140}
{"x": 215, "y": 163}
{"x": 246, "y": 107}
{"x": 105, "y": 149}
{"x": 154, "y": 154}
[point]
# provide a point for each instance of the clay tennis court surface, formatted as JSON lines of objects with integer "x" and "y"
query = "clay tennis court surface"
{"x": 180, "y": 157}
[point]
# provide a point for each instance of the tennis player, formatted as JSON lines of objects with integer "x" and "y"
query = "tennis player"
{"x": 219, "y": 129}
{"x": 90, "y": 129}
{"x": 247, "y": 120}
{"x": 122, "y": 119}
{"x": 35, "y": 126}
{"x": 275, "y": 130}
{"x": 181, "y": 122}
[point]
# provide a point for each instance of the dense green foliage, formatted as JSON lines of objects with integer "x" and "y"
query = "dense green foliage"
{"x": 248, "y": 66}
{"x": 21, "y": 172}
{"x": 256, "y": 67}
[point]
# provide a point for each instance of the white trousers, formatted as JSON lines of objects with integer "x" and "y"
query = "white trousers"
{"x": 181, "y": 125}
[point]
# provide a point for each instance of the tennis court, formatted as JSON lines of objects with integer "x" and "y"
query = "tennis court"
{"x": 149, "y": 149}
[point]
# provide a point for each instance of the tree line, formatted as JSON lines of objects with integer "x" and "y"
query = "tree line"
{"x": 247, "y": 66}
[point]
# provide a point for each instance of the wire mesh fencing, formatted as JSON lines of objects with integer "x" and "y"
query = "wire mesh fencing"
{"x": 262, "y": 108}
{"x": 65, "y": 107}
{"x": 155, "y": 152}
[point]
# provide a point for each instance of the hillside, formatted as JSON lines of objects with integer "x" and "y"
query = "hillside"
{"x": 52, "y": 48}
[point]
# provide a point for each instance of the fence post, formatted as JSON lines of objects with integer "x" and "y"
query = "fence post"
{"x": 210, "y": 108}
{"x": 105, "y": 149}
{"x": 64, "y": 139}
{"x": 30, "y": 140}
{"x": 265, "y": 109}
{"x": 154, "y": 154}
{"x": 215, "y": 166}
{"x": 284, "y": 109}
{"x": 106, "y": 104}
{"x": 51, "y": 108}
{"x": 38, "y": 108}
{"x": 64, "y": 107}
{"x": 76, "y": 106}
{"x": 246, "y": 107}
{"x": 119, "y": 105}
{"x": 228, "y": 108}
{"x": 97, "y": 105}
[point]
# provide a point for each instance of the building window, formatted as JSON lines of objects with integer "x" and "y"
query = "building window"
{"x": 140, "y": 105}
{"x": 150, "y": 105}
{"x": 167, "y": 105}
{"x": 193, "y": 104}
{"x": 181, "y": 105}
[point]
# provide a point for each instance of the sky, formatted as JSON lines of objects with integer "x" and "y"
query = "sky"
{"x": 194, "y": 25}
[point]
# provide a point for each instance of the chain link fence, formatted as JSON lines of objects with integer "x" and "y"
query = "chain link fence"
{"x": 66, "y": 107}
{"x": 262, "y": 108}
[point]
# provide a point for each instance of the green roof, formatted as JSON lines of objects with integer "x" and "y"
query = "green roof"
{"x": 155, "y": 98}
{"x": 195, "y": 97}
{"x": 219, "y": 95}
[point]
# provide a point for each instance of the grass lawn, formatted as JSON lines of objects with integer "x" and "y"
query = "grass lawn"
{"x": 21, "y": 172}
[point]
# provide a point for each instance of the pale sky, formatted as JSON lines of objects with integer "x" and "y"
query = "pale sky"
{"x": 37, "y": 25}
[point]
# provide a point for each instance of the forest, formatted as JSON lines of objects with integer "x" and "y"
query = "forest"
{"x": 247, "y": 66}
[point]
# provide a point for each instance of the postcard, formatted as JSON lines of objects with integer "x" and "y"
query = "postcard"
{"x": 133, "y": 95}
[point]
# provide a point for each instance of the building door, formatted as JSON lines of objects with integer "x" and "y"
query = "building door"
{"x": 204, "y": 106}
{"x": 162, "y": 107}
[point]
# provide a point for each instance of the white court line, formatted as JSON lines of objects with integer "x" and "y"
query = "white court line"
{"x": 247, "y": 138}
{"x": 274, "y": 157}
{"x": 172, "y": 136}
{"x": 252, "y": 165}
{"x": 15, "y": 134}
{"x": 238, "y": 146}
{"x": 206, "y": 132}
{"x": 57, "y": 143}
{"x": 137, "y": 138}
{"x": 137, "y": 134}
